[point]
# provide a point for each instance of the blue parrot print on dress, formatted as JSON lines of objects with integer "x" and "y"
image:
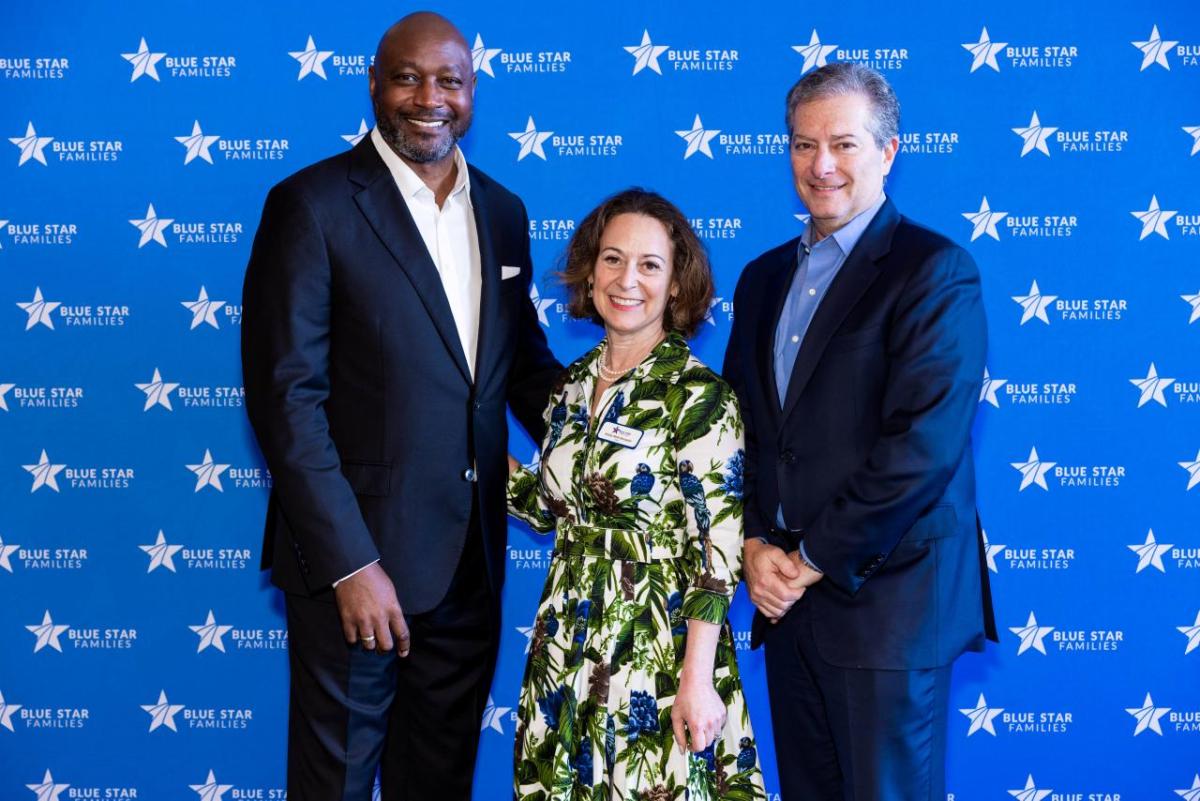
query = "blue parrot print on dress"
{"x": 614, "y": 409}
{"x": 693, "y": 494}
{"x": 643, "y": 482}
{"x": 558, "y": 418}
{"x": 748, "y": 756}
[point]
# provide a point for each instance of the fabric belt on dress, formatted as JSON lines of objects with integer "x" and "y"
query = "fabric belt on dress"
{"x": 648, "y": 545}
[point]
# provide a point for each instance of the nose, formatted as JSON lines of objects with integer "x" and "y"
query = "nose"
{"x": 823, "y": 162}
{"x": 629, "y": 274}
{"x": 429, "y": 94}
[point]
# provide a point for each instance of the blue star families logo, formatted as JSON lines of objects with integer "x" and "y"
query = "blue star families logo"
{"x": 163, "y": 554}
{"x": 363, "y": 131}
{"x": 646, "y": 55}
{"x": 1148, "y": 716}
{"x": 816, "y": 54}
{"x": 982, "y": 717}
{"x": 147, "y": 63}
{"x": 533, "y": 142}
{"x": 551, "y": 229}
{"x": 198, "y": 146}
{"x": 312, "y": 60}
{"x": 48, "y": 634}
{"x": 1192, "y": 794}
{"x": 1153, "y": 388}
{"x": 1156, "y": 51}
{"x": 155, "y": 229}
{"x": 38, "y": 234}
{"x": 1027, "y": 393}
{"x": 987, "y": 719}
{"x": 1028, "y": 557}
{"x": 1038, "y": 305}
{"x": 716, "y": 226}
{"x": 158, "y": 394}
{"x": 529, "y": 558}
{"x": 208, "y": 473}
{"x": 93, "y": 477}
{"x": 42, "y": 557}
{"x": 1031, "y": 635}
{"x": 482, "y": 55}
{"x": 42, "y": 717}
{"x": 32, "y": 146}
{"x": 1155, "y": 219}
{"x": 987, "y": 53}
{"x": 48, "y": 789}
{"x": 525, "y": 62}
{"x": 1076, "y": 640}
{"x": 42, "y": 312}
{"x": 1191, "y": 632}
{"x": 208, "y": 312}
{"x": 1037, "y": 137}
{"x": 6, "y": 553}
{"x": 1030, "y": 792}
{"x": 35, "y": 68}
{"x": 163, "y": 716}
{"x": 929, "y": 143}
{"x": 39, "y": 396}
{"x": 701, "y": 140}
{"x": 541, "y": 305}
{"x": 985, "y": 220}
{"x": 1150, "y": 553}
{"x": 212, "y": 634}
{"x": 213, "y": 790}
{"x": 1193, "y": 470}
{"x": 1194, "y": 132}
{"x": 1035, "y": 472}
{"x": 882, "y": 59}
{"x": 494, "y": 716}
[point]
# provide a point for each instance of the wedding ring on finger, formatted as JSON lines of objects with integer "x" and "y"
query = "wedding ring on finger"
{"x": 369, "y": 641}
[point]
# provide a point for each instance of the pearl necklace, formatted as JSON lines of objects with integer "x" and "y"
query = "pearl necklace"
{"x": 610, "y": 375}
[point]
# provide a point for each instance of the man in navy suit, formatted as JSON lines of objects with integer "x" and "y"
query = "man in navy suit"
{"x": 857, "y": 352}
{"x": 387, "y": 327}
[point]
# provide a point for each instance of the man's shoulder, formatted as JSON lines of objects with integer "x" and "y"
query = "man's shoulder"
{"x": 912, "y": 240}
{"x": 770, "y": 260}
{"x": 317, "y": 179}
{"x": 493, "y": 190}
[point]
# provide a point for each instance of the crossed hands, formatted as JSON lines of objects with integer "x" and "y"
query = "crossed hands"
{"x": 371, "y": 613}
{"x": 775, "y": 579}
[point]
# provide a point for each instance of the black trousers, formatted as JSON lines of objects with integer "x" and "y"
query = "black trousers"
{"x": 844, "y": 734}
{"x": 416, "y": 719}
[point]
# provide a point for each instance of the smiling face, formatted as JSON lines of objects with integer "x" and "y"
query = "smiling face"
{"x": 836, "y": 165}
{"x": 422, "y": 88}
{"x": 633, "y": 278}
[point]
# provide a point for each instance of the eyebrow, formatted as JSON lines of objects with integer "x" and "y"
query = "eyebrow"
{"x": 644, "y": 255}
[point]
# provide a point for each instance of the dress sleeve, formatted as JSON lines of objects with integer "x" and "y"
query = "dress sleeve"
{"x": 525, "y": 501}
{"x": 711, "y": 459}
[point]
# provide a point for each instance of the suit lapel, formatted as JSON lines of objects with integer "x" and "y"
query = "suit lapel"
{"x": 776, "y": 293}
{"x": 487, "y": 350}
{"x": 853, "y": 279}
{"x": 385, "y": 210}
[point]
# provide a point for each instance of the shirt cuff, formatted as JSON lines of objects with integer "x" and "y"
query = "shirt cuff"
{"x": 364, "y": 567}
{"x": 807, "y": 561}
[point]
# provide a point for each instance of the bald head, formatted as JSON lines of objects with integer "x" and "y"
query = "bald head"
{"x": 417, "y": 27}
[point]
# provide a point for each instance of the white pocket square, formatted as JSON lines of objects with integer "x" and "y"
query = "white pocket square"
{"x": 507, "y": 272}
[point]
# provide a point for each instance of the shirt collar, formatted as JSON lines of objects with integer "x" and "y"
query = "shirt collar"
{"x": 848, "y": 235}
{"x": 409, "y": 183}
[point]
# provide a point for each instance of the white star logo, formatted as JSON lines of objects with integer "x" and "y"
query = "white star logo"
{"x": 1194, "y": 131}
{"x": 162, "y": 713}
{"x": 2, "y": 224}
{"x": 531, "y": 141}
{"x": 987, "y": 392}
{"x": 708, "y": 315}
{"x": 1031, "y": 635}
{"x": 210, "y": 634}
{"x": 1154, "y": 50}
{"x": 984, "y": 51}
{"x": 1192, "y": 794}
{"x": 804, "y": 218}
{"x": 1148, "y": 716}
{"x": 6, "y": 552}
{"x": 985, "y": 220}
{"x": 481, "y": 56}
{"x": 1154, "y": 219}
{"x": 44, "y": 473}
{"x": 1030, "y": 792}
{"x": 158, "y": 392}
{"x": 1035, "y": 135}
{"x": 47, "y": 633}
{"x": 1152, "y": 387}
{"x": 540, "y": 304}
{"x": 197, "y": 144}
{"x": 39, "y": 310}
{"x": 143, "y": 61}
{"x": 48, "y": 790}
{"x": 1034, "y": 304}
{"x": 210, "y": 790}
{"x": 7, "y": 710}
{"x": 161, "y": 553}
{"x": 1193, "y": 469}
{"x": 1192, "y": 632}
{"x": 1150, "y": 553}
{"x": 208, "y": 473}
{"x": 992, "y": 551}
{"x": 203, "y": 310}
{"x": 697, "y": 138}
{"x": 646, "y": 54}
{"x": 355, "y": 138}
{"x": 32, "y": 145}
{"x": 815, "y": 54}
{"x": 4, "y": 390}
{"x": 151, "y": 227}
{"x": 311, "y": 61}
{"x": 493, "y": 716}
{"x": 1191, "y": 300}
{"x": 1033, "y": 471}
{"x": 528, "y": 632}
{"x": 982, "y": 717}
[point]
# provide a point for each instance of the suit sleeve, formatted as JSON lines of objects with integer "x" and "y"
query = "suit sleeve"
{"x": 534, "y": 368}
{"x": 738, "y": 370}
{"x": 285, "y": 366}
{"x": 937, "y": 345}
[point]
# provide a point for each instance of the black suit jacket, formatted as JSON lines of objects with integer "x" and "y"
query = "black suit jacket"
{"x": 870, "y": 454}
{"x": 357, "y": 385}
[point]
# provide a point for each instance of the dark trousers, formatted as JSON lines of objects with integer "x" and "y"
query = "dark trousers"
{"x": 844, "y": 734}
{"x": 416, "y": 719}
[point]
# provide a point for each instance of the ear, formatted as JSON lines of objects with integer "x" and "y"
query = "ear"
{"x": 889, "y": 153}
{"x": 371, "y": 80}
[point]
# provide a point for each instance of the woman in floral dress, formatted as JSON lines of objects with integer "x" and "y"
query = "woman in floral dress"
{"x": 631, "y": 691}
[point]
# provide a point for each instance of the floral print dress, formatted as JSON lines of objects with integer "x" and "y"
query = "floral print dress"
{"x": 646, "y": 497}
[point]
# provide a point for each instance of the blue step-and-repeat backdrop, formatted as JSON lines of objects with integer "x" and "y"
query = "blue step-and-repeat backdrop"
{"x": 143, "y": 655}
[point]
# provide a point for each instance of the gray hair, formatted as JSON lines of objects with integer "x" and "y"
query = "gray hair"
{"x": 848, "y": 78}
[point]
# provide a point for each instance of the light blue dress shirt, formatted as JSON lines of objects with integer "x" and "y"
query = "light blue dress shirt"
{"x": 818, "y": 265}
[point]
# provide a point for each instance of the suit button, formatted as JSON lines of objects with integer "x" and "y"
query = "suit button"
{"x": 787, "y": 457}
{"x": 469, "y": 474}
{"x": 477, "y": 405}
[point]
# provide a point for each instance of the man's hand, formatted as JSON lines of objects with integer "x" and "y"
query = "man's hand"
{"x": 371, "y": 613}
{"x": 771, "y": 578}
{"x": 808, "y": 576}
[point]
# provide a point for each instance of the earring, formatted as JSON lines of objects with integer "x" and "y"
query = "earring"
{"x": 589, "y": 290}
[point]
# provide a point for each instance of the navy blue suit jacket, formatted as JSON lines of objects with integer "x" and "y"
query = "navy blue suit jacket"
{"x": 357, "y": 385}
{"x": 870, "y": 455}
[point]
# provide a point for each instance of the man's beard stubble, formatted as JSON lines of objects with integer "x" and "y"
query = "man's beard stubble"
{"x": 413, "y": 149}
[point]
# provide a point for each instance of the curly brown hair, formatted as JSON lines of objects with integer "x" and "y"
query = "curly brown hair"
{"x": 690, "y": 270}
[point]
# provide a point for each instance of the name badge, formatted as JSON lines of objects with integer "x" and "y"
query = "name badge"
{"x": 621, "y": 435}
